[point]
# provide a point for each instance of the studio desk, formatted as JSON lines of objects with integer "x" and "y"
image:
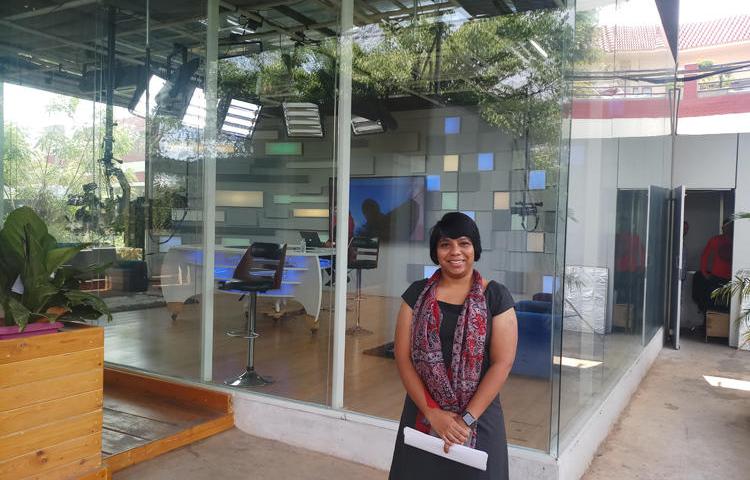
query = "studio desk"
{"x": 182, "y": 273}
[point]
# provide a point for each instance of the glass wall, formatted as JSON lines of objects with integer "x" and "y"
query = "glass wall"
{"x": 275, "y": 180}
{"x": 618, "y": 226}
{"x": 173, "y": 136}
{"x": 456, "y": 107}
{"x": 100, "y": 164}
{"x": 103, "y": 138}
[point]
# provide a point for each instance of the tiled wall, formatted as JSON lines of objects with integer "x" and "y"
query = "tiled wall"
{"x": 469, "y": 166}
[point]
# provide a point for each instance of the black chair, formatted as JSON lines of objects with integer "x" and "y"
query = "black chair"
{"x": 259, "y": 270}
{"x": 363, "y": 255}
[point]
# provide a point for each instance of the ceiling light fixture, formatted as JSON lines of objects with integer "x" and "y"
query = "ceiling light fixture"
{"x": 195, "y": 114}
{"x": 241, "y": 118}
{"x": 302, "y": 119}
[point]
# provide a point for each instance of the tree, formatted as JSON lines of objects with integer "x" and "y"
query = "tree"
{"x": 44, "y": 173}
{"x": 511, "y": 67}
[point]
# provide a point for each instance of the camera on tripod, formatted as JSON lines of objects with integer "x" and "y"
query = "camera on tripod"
{"x": 526, "y": 209}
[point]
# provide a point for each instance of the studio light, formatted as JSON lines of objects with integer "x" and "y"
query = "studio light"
{"x": 195, "y": 114}
{"x": 155, "y": 84}
{"x": 302, "y": 119}
{"x": 241, "y": 118}
{"x": 364, "y": 126}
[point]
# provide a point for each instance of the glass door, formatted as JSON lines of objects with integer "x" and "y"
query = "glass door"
{"x": 656, "y": 261}
{"x": 678, "y": 270}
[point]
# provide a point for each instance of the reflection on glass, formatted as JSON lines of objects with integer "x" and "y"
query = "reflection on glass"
{"x": 616, "y": 227}
{"x": 467, "y": 104}
{"x": 454, "y": 107}
{"x": 657, "y": 271}
{"x": 630, "y": 260}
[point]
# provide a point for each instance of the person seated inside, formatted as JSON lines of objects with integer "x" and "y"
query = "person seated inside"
{"x": 716, "y": 269}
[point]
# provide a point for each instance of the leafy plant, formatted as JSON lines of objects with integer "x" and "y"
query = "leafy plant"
{"x": 35, "y": 283}
{"x": 740, "y": 285}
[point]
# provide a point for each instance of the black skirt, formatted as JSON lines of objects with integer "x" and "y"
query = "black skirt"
{"x": 411, "y": 463}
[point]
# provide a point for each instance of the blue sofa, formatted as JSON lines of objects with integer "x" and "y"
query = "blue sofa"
{"x": 534, "y": 352}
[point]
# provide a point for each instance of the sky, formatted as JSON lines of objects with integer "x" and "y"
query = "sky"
{"x": 643, "y": 12}
{"x": 27, "y": 108}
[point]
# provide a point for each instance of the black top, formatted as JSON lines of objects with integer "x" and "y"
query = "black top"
{"x": 498, "y": 298}
{"x": 410, "y": 463}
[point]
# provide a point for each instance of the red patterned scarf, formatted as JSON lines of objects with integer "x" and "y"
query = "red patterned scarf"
{"x": 451, "y": 389}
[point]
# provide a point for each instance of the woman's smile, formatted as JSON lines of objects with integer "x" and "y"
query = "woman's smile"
{"x": 456, "y": 255}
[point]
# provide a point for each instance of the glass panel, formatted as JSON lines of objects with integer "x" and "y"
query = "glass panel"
{"x": 71, "y": 149}
{"x": 657, "y": 271}
{"x": 620, "y": 150}
{"x": 455, "y": 108}
{"x": 54, "y": 126}
{"x": 630, "y": 261}
{"x": 153, "y": 330}
{"x": 104, "y": 165}
{"x": 274, "y": 184}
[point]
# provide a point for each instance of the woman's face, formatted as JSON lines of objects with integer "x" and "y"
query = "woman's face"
{"x": 455, "y": 256}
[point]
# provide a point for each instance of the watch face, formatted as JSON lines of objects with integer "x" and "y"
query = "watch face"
{"x": 469, "y": 419}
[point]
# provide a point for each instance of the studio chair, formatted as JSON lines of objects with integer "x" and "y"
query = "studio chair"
{"x": 259, "y": 270}
{"x": 363, "y": 255}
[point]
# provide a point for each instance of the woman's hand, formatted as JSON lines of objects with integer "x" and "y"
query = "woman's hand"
{"x": 449, "y": 426}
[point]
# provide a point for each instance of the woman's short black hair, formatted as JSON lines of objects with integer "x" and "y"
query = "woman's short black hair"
{"x": 455, "y": 225}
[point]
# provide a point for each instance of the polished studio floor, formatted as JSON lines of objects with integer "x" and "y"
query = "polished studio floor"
{"x": 299, "y": 364}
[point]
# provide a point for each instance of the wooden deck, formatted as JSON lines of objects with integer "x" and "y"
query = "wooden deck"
{"x": 145, "y": 417}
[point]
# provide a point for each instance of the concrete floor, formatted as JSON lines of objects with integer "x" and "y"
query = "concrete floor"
{"x": 236, "y": 455}
{"x": 677, "y": 426}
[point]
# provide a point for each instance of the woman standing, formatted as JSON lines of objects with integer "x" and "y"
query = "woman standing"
{"x": 455, "y": 344}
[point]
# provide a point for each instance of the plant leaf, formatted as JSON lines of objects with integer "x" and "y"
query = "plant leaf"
{"x": 13, "y": 234}
{"x": 58, "y": 256}
{"x": 21, "y": 315}
{"x": 38, "y": 289}
{"x": 86, "y": 305}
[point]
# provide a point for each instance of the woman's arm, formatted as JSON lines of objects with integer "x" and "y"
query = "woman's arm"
{"x": 443, "y": 422}
{"x": 502, "y": 353}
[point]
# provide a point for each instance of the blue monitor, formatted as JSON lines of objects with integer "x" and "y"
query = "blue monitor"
{"x": 390, "y": 208}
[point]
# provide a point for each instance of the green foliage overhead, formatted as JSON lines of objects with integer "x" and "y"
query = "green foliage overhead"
{"x": 490, "y": 63}
{"x": 35, "y": 283}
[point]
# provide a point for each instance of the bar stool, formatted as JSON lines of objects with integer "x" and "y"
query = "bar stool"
{"x": 259, "y": 270}
{"x": 363, "y": 255}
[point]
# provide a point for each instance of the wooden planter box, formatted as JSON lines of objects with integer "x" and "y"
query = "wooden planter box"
{"x": 51, "y": 405}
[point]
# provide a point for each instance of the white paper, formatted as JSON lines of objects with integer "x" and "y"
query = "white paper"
{"x": 458, "y": 453}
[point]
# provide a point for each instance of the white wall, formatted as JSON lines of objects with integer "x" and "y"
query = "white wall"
{"x": 642, "y": 162}
{"x": 592, "y": 201}
{"x": 705, "y": 162}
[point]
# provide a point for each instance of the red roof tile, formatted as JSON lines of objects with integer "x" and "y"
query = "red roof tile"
{"x": 692, "y": 35}
{"x": 715, "y": 32}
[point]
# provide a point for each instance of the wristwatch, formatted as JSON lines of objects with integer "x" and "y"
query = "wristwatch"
{"x": 468, "y": 419}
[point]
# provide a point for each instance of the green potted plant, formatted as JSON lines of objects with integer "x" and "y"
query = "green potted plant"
{"x": 37, "y": 288}
{"x": 738, "y": 286}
